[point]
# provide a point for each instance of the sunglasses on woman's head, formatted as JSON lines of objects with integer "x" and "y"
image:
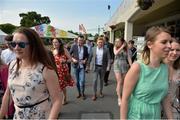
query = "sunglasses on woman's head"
{"x": 20, "y": 44}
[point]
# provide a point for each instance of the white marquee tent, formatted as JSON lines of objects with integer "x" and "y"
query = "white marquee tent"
{"x": 2, "y": 36}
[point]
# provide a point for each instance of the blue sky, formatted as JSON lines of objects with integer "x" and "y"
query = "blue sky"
{"x": 64, "y": 14}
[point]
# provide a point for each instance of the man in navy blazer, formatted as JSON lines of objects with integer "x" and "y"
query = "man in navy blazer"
{"x": 79, "y": 52}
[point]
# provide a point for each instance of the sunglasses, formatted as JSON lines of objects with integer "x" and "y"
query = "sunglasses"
{"x": 20, "y": 44}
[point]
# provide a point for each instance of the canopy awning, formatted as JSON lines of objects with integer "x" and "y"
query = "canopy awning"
{"x": 46, "y": 30}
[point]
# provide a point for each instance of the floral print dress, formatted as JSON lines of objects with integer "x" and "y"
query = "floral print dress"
{"x": 65, "y": 78}
{"x": 29, "y": 92}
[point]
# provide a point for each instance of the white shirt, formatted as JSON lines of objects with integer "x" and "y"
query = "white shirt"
{"x": 99, "y": 56}
{"x": 7, "y": 56}
{"x": 81, "y": 52}
{"x": 89, "y": 48}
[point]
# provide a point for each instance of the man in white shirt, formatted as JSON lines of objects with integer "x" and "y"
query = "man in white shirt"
{"x": 101, "y": 59}
{"x": 8, "y": 55}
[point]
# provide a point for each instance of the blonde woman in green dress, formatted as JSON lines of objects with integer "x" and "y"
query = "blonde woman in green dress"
{"x": 146, "y": 83}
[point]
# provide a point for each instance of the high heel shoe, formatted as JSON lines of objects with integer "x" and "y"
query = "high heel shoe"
{"x": 64, "y": 103}
{"x": 119, "y": 101}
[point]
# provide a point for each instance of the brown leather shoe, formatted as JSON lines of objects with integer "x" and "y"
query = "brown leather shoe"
{"x": 78, "y": 96}
{"x": 83, "y": 97}
{"x": 94, "y": 98}
{"x": 64, "y": 103}
{"x": 105, "y": 84}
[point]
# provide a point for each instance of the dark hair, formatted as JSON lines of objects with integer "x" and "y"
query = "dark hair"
{"x": 38, "y": 52}
{"x": 81, "y": 36}
{"x": 151, "y": 35}
{"x": 106, "y": 38}
{"x": 176, "y": 64}
{"x": 8, "y": 38}
{"x": 131, "y": 42}
{"x": 61, "y": 47}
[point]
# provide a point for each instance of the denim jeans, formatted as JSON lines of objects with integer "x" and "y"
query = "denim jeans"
{"x": 80, "y": 79}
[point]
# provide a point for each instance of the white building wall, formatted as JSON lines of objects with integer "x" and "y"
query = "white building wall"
{"x": 128, "y": 31}
{"x": 111, "y": 36}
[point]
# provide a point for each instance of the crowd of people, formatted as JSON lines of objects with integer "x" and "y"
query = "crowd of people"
{"x": 35, "y": 79}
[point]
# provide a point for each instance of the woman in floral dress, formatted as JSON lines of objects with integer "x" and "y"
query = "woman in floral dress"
{"x": 32, "y": 81}
{"x": 62, "y": 57}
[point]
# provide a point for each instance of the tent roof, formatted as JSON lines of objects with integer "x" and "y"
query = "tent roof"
{"x": 2, "y": 33}
{"x": 46, "y": 30}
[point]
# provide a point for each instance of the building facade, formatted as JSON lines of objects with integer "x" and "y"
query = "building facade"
{"x": 130, "y": 20}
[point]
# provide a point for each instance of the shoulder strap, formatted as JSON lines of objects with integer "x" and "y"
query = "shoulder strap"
{"x": 42, "y": 68}
{"x": 10, "y": 66}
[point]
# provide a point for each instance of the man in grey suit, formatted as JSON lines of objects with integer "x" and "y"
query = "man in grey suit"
{"x": 101, "y": 62}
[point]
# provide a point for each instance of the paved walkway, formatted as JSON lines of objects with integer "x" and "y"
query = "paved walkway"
{"x": 102, "y": 108}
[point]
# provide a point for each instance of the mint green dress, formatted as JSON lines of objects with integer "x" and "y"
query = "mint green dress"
{"x": 151, "y": 88}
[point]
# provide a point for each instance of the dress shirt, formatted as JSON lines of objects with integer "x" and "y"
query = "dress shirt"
{"x": 7, "y": 56}
{"x": 81, "y": 52}
{"x": 99, "y": 56}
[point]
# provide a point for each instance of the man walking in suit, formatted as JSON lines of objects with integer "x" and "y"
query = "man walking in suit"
{"x": 79, "y": 53}
{"x": 101, "y": 62}
{"x": 109, "y": 46}
{"x": 133, "y": 50}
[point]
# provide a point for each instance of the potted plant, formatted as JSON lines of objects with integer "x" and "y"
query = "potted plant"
{"x": 145, "y": 4}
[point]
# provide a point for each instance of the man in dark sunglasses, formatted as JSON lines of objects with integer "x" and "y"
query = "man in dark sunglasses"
{"x": 8, "y": 55}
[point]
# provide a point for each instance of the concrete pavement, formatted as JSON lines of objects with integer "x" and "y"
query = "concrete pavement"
{"x": 102, "y": 108}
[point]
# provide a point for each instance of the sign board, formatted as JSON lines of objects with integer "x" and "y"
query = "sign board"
{"x": 139, "y": 43}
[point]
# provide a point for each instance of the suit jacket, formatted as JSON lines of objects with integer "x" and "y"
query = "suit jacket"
{"x": 75, "y": 54}
{"x": 110, "y": 47}
{"x": 106, "y": 61}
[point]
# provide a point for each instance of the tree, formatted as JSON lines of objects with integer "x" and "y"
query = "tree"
{"x": 76, "y": 33}
{"x": 89, "y": 35}
{"x": 8, "y": 28}
{"x": 31, "y": 19}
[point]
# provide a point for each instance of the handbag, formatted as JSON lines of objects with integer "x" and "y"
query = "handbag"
{"x": 7, "y": 117}
{"x": 4, "y": 77}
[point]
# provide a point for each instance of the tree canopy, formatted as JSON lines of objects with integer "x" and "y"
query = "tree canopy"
{"x": 31, "y": 19}
{"x": 8, "y": 28}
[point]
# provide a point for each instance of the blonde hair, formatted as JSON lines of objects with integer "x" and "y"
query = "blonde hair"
{"x": 100, "y": 38}
{"x": 176, "y": 64}
{"x": 116, "y": 43}
{"x": 151, "y": 35}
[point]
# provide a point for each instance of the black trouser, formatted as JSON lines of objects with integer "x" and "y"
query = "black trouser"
{"x": 106, "y": 77}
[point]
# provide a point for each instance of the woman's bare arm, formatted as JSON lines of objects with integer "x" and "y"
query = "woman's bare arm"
{"x": 129, "y": 83}
{"x": 54, "y": 90}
